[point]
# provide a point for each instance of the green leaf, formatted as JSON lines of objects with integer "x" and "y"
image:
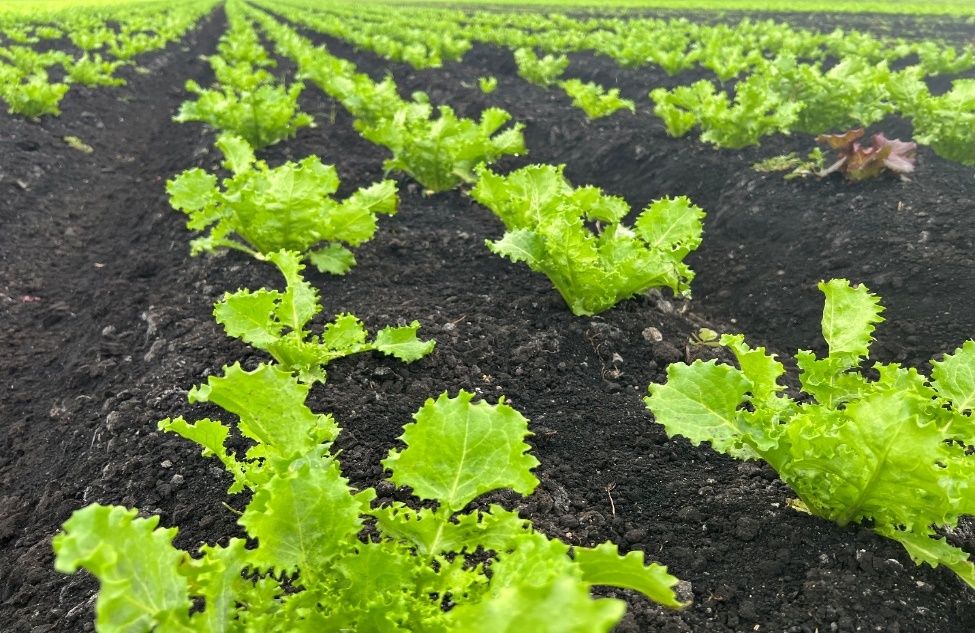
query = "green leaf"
{"x": 700, "y": 401}
{"x": 212, "y": 436}
{"x": 758, "y": 367}
{"x": 671, "y": 224}
{"x": 520, "y": 245}
{"x": 218, "y": 577}
{"x": 237, "y": 153}
{"x": 402, "y": 342}
{"x": 299, "y": 303}
{"x": 345, "y": 333}
{"x": 848, "y": 318}
{"x": 249, "y": 316}
{"x": 192, "y": 190}
{"x": 303, "y": 519}
{"x": 135, "y": 563}
{"x": 559, "y": 231}
{"x": 433, "y": 532}
{"x": 270, "y": 403}
{"x": 537, "y": 588}
{"x": 456, "y": 451}
{"x": 603, "y": 565}
{"x": 934, "y": 552}
{"x": 334, "y": 259}
{"x": 954, "y": 377}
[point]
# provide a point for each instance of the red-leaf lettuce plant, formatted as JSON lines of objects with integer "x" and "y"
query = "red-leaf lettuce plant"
{"x": 859, "y": 162}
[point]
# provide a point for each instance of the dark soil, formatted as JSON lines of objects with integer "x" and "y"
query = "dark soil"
{"x": 108, "y": 324}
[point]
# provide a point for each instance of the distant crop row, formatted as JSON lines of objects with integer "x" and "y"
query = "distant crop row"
{"x": 769, "y": 77}
{"x": 33, "y": 82}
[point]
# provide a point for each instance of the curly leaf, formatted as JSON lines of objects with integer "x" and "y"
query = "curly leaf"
{"x": 456, "y": 451}
{"x": 402, "y": 342}
{"x": 136, "y": 564}
{"x": 603, "y": 565}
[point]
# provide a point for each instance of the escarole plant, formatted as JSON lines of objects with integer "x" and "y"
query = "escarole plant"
{"x": 595, "y": 100}
{"x": 259, "y": 210}
{"x": 277, "y": 322}
{"x": 891, "y": 447}
{"x": 307, "y": 565}
{"x": 443, "y": 152}
{"x": 549, "y": 227}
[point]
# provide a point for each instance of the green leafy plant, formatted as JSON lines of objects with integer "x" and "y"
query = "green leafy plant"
{"x": 277, "y": 322}
{"x": 543, "y": 71}
{"x": 443, "y": 152}
{"x": 548, "y": 227}
{"x": 94, "y": 71}
{"x": 260, "y": 210}
{"x": 755, "y": 111}
{"x": 595, "y": 100}
{"x": 886, "y": 447}
{"x": 487, "y": 84}
{"x": 307, "y": 565}
{"x": 945, "y": 122}
{"x": 34, "y": 96}
{"x": 263, "y": 116}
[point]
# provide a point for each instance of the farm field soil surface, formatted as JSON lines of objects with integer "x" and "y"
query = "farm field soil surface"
{"x": 108, "y": 324}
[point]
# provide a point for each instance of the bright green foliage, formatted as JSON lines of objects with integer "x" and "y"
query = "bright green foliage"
{"x": 487, "y": 84}
{"x": 307, "y": 568}
{"x": 543, "y": 71}
{"x": 138, "y": 591}
{"x": 945, "y": 122}
{"x": 34, "y": 96}
{"x": 245, "y": 101}
{"x": 548, "y": 228}
{"x": 755, "y": 111}
{"x": 894, "y": 451}
{"x": 443, "y": 152}
{"x": 595, "y": 100}
{"x": 260, "y": 210}
{"x": 94, "y": 71}
{"x": 277, "y": 322}
{"x": 262, "y": 116}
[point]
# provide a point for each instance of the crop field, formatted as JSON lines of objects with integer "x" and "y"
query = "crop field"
{"x": 507, "y": 316}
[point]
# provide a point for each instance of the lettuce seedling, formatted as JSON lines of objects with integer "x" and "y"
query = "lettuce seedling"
{"x": 94, "y": 71}
{"x": 260, "y": 210}
{"x": 543, "y": 71}
{"x": 576, "y": 237}
{"x": 487, "y": 84}
{"x": 595, "y": 100}
{"x": 306, "y": 565}
{"x": 34, "y": 96}
{"x": 443, "y": 152}
{"x": 755, "y": 112}
{"x": 263, "y": 116}
{"x": 277, "y": 322}
{"x": 858, "y": 162}
{"x": 889, "y": 447}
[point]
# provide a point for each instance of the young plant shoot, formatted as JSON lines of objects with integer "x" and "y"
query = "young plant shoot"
{"x": 890, "y": 447}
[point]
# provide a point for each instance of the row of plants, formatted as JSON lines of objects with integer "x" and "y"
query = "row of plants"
{"x": 429, "y": 143}
{"x": 453, "y": 563}
{"x": 26, "y": 82}
{"x": 320, "y": 555}
{"x": 784, "y": 79}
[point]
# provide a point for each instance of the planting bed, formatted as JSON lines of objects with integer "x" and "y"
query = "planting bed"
{"x": 107, "y": 324}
